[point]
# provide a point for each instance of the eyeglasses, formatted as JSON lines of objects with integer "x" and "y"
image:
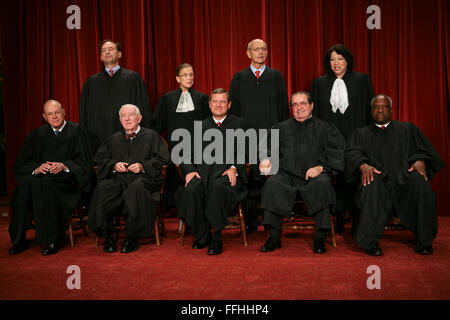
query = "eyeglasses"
{"x": 263, "y": 49}
{"x": 133, "y": 115}
{"x": 185, "y": 75}
{"x": 301, "y": 104}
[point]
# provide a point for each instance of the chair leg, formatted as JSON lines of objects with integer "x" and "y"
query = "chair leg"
{"x": 243, "y": 225}
{"x": 158, "y": 243}
{"x": 333, "y": 235}
{"x": 183, "y": 231}
{"x": 71, "y": 234}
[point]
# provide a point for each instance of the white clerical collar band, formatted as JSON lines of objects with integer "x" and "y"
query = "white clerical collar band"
{"x": 185, "y": 104}
{"x": 339, "y": 96}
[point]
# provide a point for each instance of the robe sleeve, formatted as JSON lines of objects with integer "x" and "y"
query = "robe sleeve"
{"x": 204, "y": 105}
{"x": 104, "y": 160}
{"x": 159, "y": 120}
{"x": 332, "y": 158}
{"x": 142, "y": 101}
{"x": 82, "y": 164}
{"x": 84, "y": 103}
{"x": 355, "y": 155}
{"x": 369, "y": 94}
{"x": 235, "y": 94}
{"x": 25, "y": 164}
{"x": 422, "y": 149}
{"x": 284, "y": 112}
{"x": 314, "y": 91}
{"x": 159, "y": 156}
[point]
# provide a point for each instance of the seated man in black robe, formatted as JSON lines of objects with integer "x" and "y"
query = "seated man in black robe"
{"x": 311, "y": 151}
{"x": 129, "y": 179}
{"x": 212, "y": 190}
{"x": 395, "y": 162}
{"x": 52, "y": 171}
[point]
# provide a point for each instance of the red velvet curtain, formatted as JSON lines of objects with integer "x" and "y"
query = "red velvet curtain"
{"x": 408, "y": 58}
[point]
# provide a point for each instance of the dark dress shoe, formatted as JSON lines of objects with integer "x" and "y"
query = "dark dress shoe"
{"x": 319, "y": 246}
{"x": 18, "y": 248}
{"x": 215, "y": 248}
{"x": 109, "y": 246}
{"x": 51, "y": 248}
{"x": 251, "y": 229}
{"x": 129, "y": 245}
{"x": 270, "y": 245}
{"x": 425, "y": 250}
{"x": 198, "y": 245}
{"x": 375, "y": 251}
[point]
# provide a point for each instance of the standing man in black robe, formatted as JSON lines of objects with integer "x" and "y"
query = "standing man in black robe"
{"x": 212, "y": 190}
{"x": 179, "y": 109}
{"x": 260, "y": 97}
{"x": 342, "y": 97}
{"x": 129, "y": 179}
{"x": 105, "y": 92}
{"x": 311, "y": 151}
{"x": 52, "y": 171}
{"x": 395, "y": 162}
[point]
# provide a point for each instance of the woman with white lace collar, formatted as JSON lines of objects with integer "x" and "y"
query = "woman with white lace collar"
{"x": 342, "y": 97}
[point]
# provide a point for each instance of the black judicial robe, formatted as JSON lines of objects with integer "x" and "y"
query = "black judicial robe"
{"x": 50, "y": 197}
{"x": 101, "y": 98}
{"x": 166, "y": 117}
{"x": 261, "y": 103}
{"x": 215, "y": 207}
{"x": 111, "y": 191}
{"x": 301, "y": 147}
{"x": 360, "y": 93}
{"x": 392, "y": 151}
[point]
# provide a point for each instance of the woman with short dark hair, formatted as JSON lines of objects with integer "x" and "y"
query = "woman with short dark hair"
{"x": 342, "y": 97}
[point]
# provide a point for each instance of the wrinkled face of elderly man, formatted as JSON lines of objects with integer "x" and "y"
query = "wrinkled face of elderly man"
{"x": 54, "y": 114}
{"x": 257, "y": 52}
{"x": 130, "y": 117}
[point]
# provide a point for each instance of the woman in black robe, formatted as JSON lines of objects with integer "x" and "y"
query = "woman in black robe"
{"x": 342, "y": 97}
{"x": 179, "y": 109}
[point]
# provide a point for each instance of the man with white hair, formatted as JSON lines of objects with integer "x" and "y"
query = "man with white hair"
{"x": 129, "y": 179}
{"x": 52, "y": 171}
{"x": 259, "y": 96}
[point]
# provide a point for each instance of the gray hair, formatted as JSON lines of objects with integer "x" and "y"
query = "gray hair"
{"x": 249, "y": 46}
{"x": 381, "y": 96}
{"x": 52, "y": 101}
{"x": 138, "y": 112}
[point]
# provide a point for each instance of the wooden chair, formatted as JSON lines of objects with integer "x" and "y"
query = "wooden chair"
{"x": 159, "y": 229}
{"x": 237, "y": 221}
{"x": 78, "y": 220}
{"x": 395, "y": 224}
{"x": 119, "y": 225}
{"x": 299, "y": 220}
